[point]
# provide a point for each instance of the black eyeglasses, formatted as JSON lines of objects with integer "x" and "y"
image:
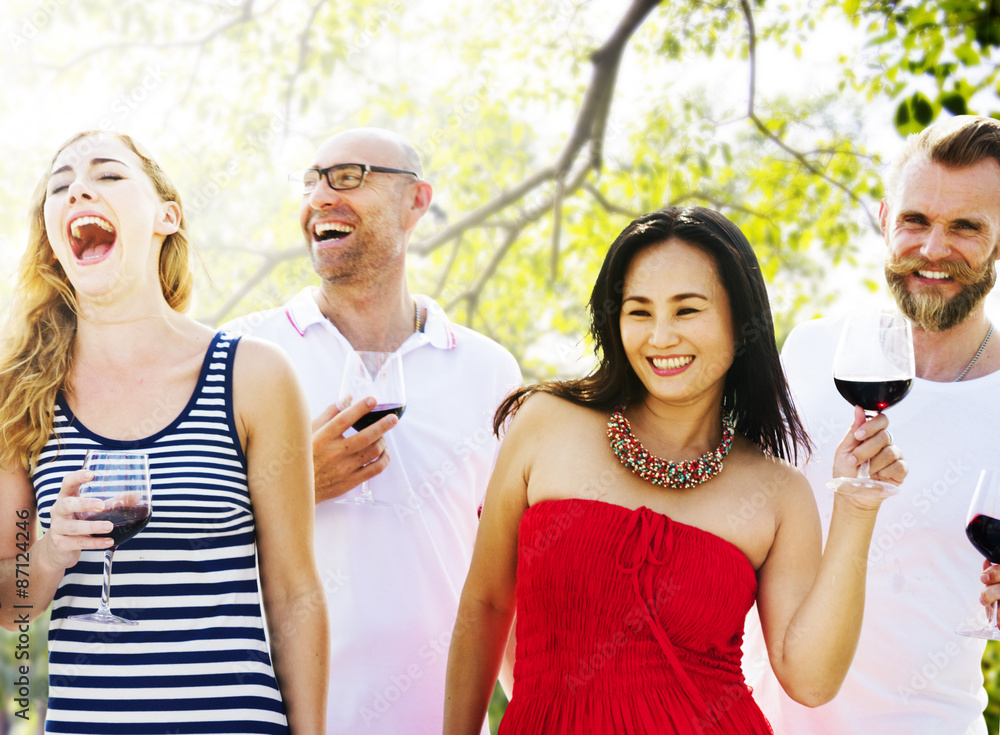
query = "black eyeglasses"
{"x": 340, "y": 177}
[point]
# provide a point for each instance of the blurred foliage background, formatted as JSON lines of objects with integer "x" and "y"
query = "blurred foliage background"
{"x": 544, "y": 128}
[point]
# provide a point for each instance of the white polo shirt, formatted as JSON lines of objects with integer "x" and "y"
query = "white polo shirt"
{"x": 393, "y": 575}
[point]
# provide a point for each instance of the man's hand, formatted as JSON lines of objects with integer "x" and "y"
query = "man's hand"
{"x": 342, "y": 463}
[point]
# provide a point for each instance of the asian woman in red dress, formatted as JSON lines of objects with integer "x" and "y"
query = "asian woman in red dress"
{"x": 639, "y": 512}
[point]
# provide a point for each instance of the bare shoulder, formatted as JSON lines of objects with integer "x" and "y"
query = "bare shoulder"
{"x": 265, "y": 386}
{"x": 542, "y": 411}
{"x": 260, "y": 353}
{"x": 781, "y": 482}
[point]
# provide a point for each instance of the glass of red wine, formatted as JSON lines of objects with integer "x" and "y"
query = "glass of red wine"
{"x": 378, "y": 375}
{"x": 121, "y": 480}
{"x": 983, "y": 529}
{"x": 874, "y": 369}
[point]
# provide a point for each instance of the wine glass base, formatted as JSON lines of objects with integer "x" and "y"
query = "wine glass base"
{"x": 103, "y": 618}
{"x": 361, "y": 501}
{"x": 986, "y": 633}
{"x": 862, "y": 487}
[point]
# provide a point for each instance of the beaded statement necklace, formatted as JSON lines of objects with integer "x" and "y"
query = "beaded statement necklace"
{"x": 676, "y": 475}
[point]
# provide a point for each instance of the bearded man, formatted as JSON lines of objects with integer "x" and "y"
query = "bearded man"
{"x": 912, "y": 673}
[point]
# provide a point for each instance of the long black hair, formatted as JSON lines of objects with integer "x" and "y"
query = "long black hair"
{"x": 755, "y": 390}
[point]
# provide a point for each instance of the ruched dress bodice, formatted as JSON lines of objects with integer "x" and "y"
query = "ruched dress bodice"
{"x": 628, "y": 622}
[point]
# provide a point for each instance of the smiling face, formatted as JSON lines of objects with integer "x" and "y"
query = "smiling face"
{"x": 942, "y": 229}
{"x": 356, "y": 235}
{"x": 103, "y": 217}
{"x": 676, "y": 323}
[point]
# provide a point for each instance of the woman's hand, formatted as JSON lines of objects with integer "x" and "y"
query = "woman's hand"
{"x": 67, "y": 535}
{"x": 870, "y": 441}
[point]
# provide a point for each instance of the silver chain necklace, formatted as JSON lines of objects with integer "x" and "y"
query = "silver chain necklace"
{"x": 976, "y": 356}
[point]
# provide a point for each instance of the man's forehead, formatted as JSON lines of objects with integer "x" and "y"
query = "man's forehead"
{"x": 357, "y": 148}
{"x": 924, "y": 180}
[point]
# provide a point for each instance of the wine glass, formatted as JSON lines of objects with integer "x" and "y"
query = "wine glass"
{"x": 379, "y": 375}
{"x": 874, "y": 369}
{"x": 983, "y": 529}
{"x": 121, "y": 480}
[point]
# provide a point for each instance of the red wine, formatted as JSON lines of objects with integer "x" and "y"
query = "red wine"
{"x": 382, "y": 409}
{"x": 984, "y": 533}
{"x": 128, "y": 522}
{"x": 873, "y": 395}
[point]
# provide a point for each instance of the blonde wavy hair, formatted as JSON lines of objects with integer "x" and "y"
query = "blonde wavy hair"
{"x": 37, "y": 354}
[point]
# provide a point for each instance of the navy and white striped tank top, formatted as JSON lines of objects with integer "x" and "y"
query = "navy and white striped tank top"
{"x": 198, "y": 660}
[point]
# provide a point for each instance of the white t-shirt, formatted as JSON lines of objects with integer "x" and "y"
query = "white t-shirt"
{"x": 393, "y": 575}
{"x": 912, "y": 673}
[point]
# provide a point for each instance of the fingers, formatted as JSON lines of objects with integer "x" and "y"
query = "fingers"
{"x": 373, "y": 468}
{"x": 991, "y": 578}
{"x": 72, "y": 480}
{"x": 845, "y": 464}
{"x": 340, "y": 462}
{"x": 869, "y": 440}
{"x": 370, "y": 435}
{"x": 894, "y": 473}
{"x": 872, "y": 441}
{"x": 69, "y": 529}
{"x": 338, "y": 421}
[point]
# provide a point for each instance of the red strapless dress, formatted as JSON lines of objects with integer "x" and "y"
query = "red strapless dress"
{"x": 628, "y": 623}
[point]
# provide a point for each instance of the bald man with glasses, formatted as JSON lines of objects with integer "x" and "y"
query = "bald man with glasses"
{"x": 393, "y": 573}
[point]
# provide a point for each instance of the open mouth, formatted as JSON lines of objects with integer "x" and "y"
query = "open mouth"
{"x": 671, "y": 363}
{"x": 91, "y": 238}
{"x": 331, "y": 231}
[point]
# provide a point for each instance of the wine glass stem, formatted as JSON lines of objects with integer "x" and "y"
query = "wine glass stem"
{"x": 366, "y": 493}
{"x": 106, "y": 591}
{"x": 863, "y": 469}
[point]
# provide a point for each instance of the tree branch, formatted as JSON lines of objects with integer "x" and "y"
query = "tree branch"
{"x": 477, "y": 216}
{"x": 609, "y": 206}
{"x": 590, "y": 128}
{"x": 439, "y": 288}
{"x": 303, "y": 53}
{"x": 271, "y": 261}
{"x": 557, "y": 202}
{"x": 759, "y": 124}
{"x": 246, "y": 15}
{"x": 593, "y": 113}
{"x": 472, "y": 294}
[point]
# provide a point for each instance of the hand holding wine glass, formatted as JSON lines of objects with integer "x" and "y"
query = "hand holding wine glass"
{"x": 121, "y": 481}
{"x": 379, "y": 375}
{"x": 983, "y": 529}
{"x": 874, "y": 369}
